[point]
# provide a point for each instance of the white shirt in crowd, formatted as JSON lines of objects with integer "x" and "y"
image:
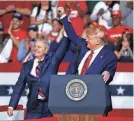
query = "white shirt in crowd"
{"x": 46, "y": 27}
{"x": 6, "y": 52}
{"x": 54, "y": 7}
{"x": 105, "y": 19}
{"x": 127, "y": 14}
{"x": 96, "y": 52}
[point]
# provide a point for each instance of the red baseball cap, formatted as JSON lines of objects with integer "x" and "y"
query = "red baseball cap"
{"x": 117, "y": 13}
{"x": 96, "y": 25}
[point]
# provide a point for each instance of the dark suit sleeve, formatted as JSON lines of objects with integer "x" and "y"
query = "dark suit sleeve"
{"x": 111, "y": 66}
{"x": 78, "y": 41}
{"x": 18, "y": 89}
{"x": 54, "y": 46}
{"x": 73, "y": 66}
{"x": 63, "y": 48}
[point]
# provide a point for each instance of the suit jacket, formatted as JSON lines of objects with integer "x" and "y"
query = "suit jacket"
{"x": 106, "y": 60}
{"x": 69, "y": 55}
{"x": 49, "y": 66}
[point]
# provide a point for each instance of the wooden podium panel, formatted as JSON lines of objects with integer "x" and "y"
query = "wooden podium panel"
{"x": 76, "y": 117}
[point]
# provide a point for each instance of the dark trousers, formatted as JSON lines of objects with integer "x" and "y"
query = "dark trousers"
{"x": 40, "y": 111}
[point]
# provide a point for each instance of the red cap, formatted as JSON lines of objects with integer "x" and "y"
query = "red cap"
{"x": 96, "y": 25}
{"x": 117, "y": 13}
{"x": 104, "y": 28}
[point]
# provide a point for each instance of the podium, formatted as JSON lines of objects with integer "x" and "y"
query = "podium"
{"x": 78, "y": 98}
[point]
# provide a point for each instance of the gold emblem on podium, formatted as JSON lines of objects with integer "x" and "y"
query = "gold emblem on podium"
{"x": 76, "y": 90}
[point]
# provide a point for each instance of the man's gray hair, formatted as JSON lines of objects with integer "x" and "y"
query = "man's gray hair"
{"x": 41, "y": 38}
{"x": 47, "y": 44}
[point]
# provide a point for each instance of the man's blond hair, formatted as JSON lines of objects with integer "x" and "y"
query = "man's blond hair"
{"x": 98, "y": 33}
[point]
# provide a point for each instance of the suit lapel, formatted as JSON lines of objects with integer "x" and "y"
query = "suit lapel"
{"x": 45, "y": 64}
{"x": 30, "y": 65}
{"x": 83, "y": 52}
{"x": 98, "y": 58}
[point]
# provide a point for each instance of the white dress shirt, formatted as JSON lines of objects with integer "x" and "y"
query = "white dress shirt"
{"x": 35, "y": 64}
{"x": 96, "y": 52}
{"x": 127, "y": 14}
{"x": 6, "y": 52}
{"x": 105, "y": 19}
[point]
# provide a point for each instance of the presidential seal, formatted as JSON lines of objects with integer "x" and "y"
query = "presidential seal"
{"x": 76, "y": 89}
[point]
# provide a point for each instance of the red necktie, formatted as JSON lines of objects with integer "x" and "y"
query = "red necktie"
{"x": 86, "y": 63}
{"x": 37, "y": 71}
{"x": 38, "y": 76}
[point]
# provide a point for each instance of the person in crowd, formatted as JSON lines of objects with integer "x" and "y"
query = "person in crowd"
{"x": 17, "y": 34}
{"x": 42, "y": 16}
{"x": 102, "y": 12}
{"x": 11, "y": 8}
{"x": 25, "y": 50}
{"x": 94, "y": 56}
{"x": 6, "y": 46}
{"x": 56, "y": 28}
{"x": 75, "y": 11}
{"x": 36, "y": 73}
{"x": 22, "y": 7}
{"x": 115, "y": 33}
{"x": 124, "y": 48}
{"x": 15, "y": 28}
{"x": 126, "y": 8}
{"x": 87, "y": 21}
{"x": 54, "y": 7}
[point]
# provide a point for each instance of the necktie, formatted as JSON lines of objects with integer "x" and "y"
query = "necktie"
{"x": 37, "y": 71}
{"x": 86, "y": 63}
{"x": 38, "y": 76}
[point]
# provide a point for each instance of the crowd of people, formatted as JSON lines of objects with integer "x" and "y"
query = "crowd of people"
{"x": 21, "y": 23}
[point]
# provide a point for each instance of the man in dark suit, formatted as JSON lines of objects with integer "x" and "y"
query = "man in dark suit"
{"x": 36, "y": 74}
{"x": 94, "y": 56}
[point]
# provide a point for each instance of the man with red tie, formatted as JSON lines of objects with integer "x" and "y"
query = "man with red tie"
{"x": 94, "y": 56}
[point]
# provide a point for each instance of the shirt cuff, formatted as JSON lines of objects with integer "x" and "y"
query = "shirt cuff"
{"x": 59, "y": 38}
{"x": 10, "y": 107}
{"x": 65, "y": 34}
{"x": 41, "y": 98}
{"x": 63, "y": 16}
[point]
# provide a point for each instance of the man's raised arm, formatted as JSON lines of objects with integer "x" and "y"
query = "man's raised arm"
{"x": 69, "y": 29}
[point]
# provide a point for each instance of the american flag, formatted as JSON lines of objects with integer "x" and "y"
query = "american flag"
{"x": 121, "y": 87}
